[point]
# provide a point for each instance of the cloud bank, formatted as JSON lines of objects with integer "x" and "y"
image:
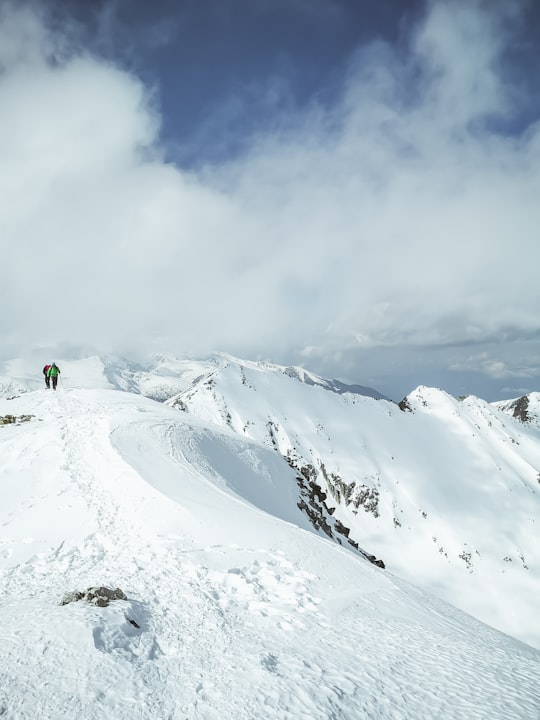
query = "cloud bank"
{"x": 403, "y": 216}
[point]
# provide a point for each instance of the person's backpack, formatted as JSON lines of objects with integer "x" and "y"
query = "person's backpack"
{"x": 46, "y": 369}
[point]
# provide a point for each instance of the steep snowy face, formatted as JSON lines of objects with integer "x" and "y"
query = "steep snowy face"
{"x": 333, "y": 385}
{"x": 445, "y": 492}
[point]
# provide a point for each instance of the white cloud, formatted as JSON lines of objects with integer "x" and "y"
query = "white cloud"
{"x": 408, "y": 212}
{"x": 396, "y": 217}
{"x": 498, "y": 368}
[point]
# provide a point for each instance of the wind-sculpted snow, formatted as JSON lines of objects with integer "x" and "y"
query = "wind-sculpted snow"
{"x": 445, "y": 492}
{"x": 234, "y": 611}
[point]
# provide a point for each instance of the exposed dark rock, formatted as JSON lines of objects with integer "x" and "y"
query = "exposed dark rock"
{"x": 521, "y": 407}
{"x": 466, "y": 557}
{"x": 351, "y": 493}
{"x": 405, "y": 405}
{"x": 273, "y": 429}
{"x": 13, "y": 419}
{"x": 312, "y": 503}
{"x": 368, "y": 498}
{"x": 373, "y": 559}
{"x": 341, "y": 491}
{"x": 317, "y": 519}
{"x": 100, "y": 596}
{"x": 340, "y": 528}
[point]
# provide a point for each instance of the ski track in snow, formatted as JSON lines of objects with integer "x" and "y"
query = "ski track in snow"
{"x": 294, "y": 628}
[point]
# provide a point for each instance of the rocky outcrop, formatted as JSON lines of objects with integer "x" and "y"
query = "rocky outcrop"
{"x": 405, "y": 405}
{"x": 100, "y": 596}
{"x": 312, "y": 502}
{"x": 521, "y": 409}
{"x": 14, "y": 419}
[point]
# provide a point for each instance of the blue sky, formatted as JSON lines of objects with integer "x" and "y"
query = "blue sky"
{"x": 351, "y": 186}
{"x": 214, "y": 63}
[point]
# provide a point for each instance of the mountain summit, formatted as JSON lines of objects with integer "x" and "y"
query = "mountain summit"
{"x": 208, "y": 556}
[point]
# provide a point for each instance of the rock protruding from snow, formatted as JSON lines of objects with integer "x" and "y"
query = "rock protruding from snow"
{"x": 14, "y": 419}
{"x": 525, "y": 408}
{"x": 99, "y": 596}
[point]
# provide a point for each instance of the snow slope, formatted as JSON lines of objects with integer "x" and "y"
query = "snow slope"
{"x": 445, "y": 492}
{"x": 235, "y": 609}
{"x": 160, "y": 378}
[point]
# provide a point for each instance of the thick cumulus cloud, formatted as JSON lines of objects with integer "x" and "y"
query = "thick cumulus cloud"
{"x": 101, "y": 240}
{"x": 401, "y": 216}
{"x": 407, "y": 210}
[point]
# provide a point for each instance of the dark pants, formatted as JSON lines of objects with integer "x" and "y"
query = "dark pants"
{"x": 54, "y": 379}
{"x": 47, "y": 381}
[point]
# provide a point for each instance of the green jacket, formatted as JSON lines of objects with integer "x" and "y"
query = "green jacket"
{"x": 53, "y": 371}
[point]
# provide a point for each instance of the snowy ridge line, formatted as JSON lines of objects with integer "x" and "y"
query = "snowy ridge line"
{"x": 243, "y": 613}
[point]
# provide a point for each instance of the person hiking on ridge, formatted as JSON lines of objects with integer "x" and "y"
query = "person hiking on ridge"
{"x": 53, "y": 372}
{"x": 47, "y": 378}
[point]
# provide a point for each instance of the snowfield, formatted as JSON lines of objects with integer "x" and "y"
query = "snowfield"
{"x": 445, "y": 491}
{"x": 236, "y": 608}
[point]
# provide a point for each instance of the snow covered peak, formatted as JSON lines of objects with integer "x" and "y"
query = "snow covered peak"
{"x": 428, "y": 398}
{"x": 421, "y": 491}
{"x": 525, "y": 408}
{"x": 302, "y": 375}
{"x": 391, "y": 485}
{"x": 229, "y": 537}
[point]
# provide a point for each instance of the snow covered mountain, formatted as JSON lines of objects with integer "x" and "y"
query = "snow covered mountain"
{"x": 207, "y": 512}
{"x": 159, "y": 379}
{"x": 445, "y": 492}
